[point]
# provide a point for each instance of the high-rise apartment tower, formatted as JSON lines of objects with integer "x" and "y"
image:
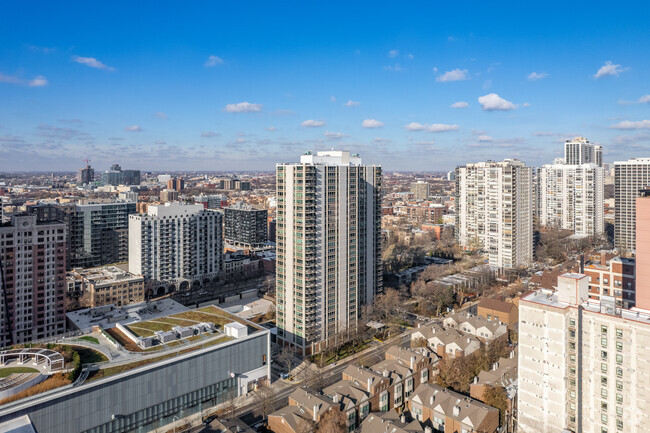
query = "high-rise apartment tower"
{"x": 630, "y": 177}
{"x": 494, "y": 211}
{"x": 328, "y": 246}
{"x": 580, "y": 151}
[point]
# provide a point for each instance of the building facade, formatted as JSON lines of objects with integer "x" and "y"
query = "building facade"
{"x": 32, "y": 279}
{"x": 420, "y": 190}
{"x": 494, "y": 211}
{"x": 95, "y": 232}
{"x": 583, "y": 365}
{"x": 116, "y": 176}
{"x": 245, "y": 225}
{"x": 580, "y": 151}
{"x": 85, "y": 175}
{"x": 176, "y": 244}
{"x": 572, "y": 198}
{"x": 630, "y": 177}
{"x": 328, "y": 245}
{"x": 614, "y": 277}
{"x": 176, "y": 183}
{"x": 152, "y": 396}
{"x": 108, "y": 285}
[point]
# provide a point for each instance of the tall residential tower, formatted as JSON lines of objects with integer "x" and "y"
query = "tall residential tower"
{"x": 571, "y": 198}
{"x": 328, "y": 246}
{"x": 580, "y": 151}
{"x": 494, "y": 211}
{"x": 630, "y": 177}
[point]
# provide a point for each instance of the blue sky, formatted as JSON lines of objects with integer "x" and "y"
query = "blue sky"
{"x": 243, "y": 85}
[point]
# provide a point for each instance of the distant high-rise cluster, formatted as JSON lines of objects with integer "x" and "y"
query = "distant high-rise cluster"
{"x": 328, "y": 246}
{"x": 116, "y": 176}
{"x": 494, "y": 202}
{"x": 176, "y": 184}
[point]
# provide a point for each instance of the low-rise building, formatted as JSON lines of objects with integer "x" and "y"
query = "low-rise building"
{"x": 108, "y": 285}
{"x": 447, "y": 343}
{"x": 449, "y": 411}
{"x": 494, "y": 309}
{"x": 390, "y": 422}
{"x": 482, "y": 328}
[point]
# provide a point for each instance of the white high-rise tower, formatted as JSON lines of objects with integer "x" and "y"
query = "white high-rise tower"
{"x": 328, "y": 246}
{"x": 494, "y": 211}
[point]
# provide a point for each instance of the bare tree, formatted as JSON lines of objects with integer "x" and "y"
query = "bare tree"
{"x": 332, "y": 422}
{"x": 286, "y": 356}
{"x": 264, "y": 398}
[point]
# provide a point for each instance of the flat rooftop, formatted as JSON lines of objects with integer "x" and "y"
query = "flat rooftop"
{"x": 108, "y": 318}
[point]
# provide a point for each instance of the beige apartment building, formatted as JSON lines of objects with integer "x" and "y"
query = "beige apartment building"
{"x": 584, "y": 365}
{"x": 108, "y": 285}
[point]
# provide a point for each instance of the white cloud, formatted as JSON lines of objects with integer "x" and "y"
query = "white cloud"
{"x": 410, "y": 56}
{"x": 393, "y": 53}
{"x": 271, "y": 128}
{"x": 460, "y": 104}
{"x": 352, "y": 103}
{"x": 313, "y": 123}
{"x": 209, "y": 134}
{"x": 243, "y": 107}
{"x": 493, "y": 102}
{"x": 396, "y": 67}
{"x": 92, "y": 62}
{"x": 39, "y": 81}
{"x": 526, "y": 104}
{"x": 415, "y": 126}
{"x": 628, "y": 124}
{"x": 544, "y": 134}
{"x": 534, "y": 76}
{"x": 213, "y": 61}
{"x": 161, "y": 115}
{"x": 485, "y": 138}
{"x": 645, "y": 99}
{"x": 435, "y": 127}
{"x": 453, "y": 75}
{"x": 609, "y": 69}
{"x": 372, "y": 123}
{"x": 333, "y": 135}
{"x": 133, "y": 128}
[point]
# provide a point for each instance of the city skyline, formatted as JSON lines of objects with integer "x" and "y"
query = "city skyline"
{"x": 213, "y": 87}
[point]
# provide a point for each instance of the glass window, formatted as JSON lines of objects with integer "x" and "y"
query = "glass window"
{"x": 619, "y": 346}
{"x": 619, "y": 371}
{"x": 619, "y": 358}
{"x": 603, "y": 392}
{"x": 603, "y": 329}
{"x": 603, "y": 417}
{"x": 603, "y": 341}
{"x": 619, "y": 410}
{"x": 603, "y": 367}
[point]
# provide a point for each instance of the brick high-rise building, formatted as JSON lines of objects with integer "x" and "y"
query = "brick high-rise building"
{"x": 32, "y": 279}
{"x": 176, "y": 183}
{"x": 420, "y": 190}
{"x": 328, "y": 246}
{"x": 85, "y": 175}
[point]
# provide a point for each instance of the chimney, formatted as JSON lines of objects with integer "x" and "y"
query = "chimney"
{"x": 428, "y": 429}
{"x": 369, "y": 384}
{"x": 385, "y": 373}
{"x": 495, "y": 367}
{"x": 582, "y": 263}
{"x": 475, "y": 379}
{"x": 412, "y": 362}
{"x": 512, "y": 354}
{"x": 402, "y": 418}
{"x": 315, "y": 413}
{"x": 456, "y": 410}
{"x": 336, "y": 398}
{"x": 431, "y": 400}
